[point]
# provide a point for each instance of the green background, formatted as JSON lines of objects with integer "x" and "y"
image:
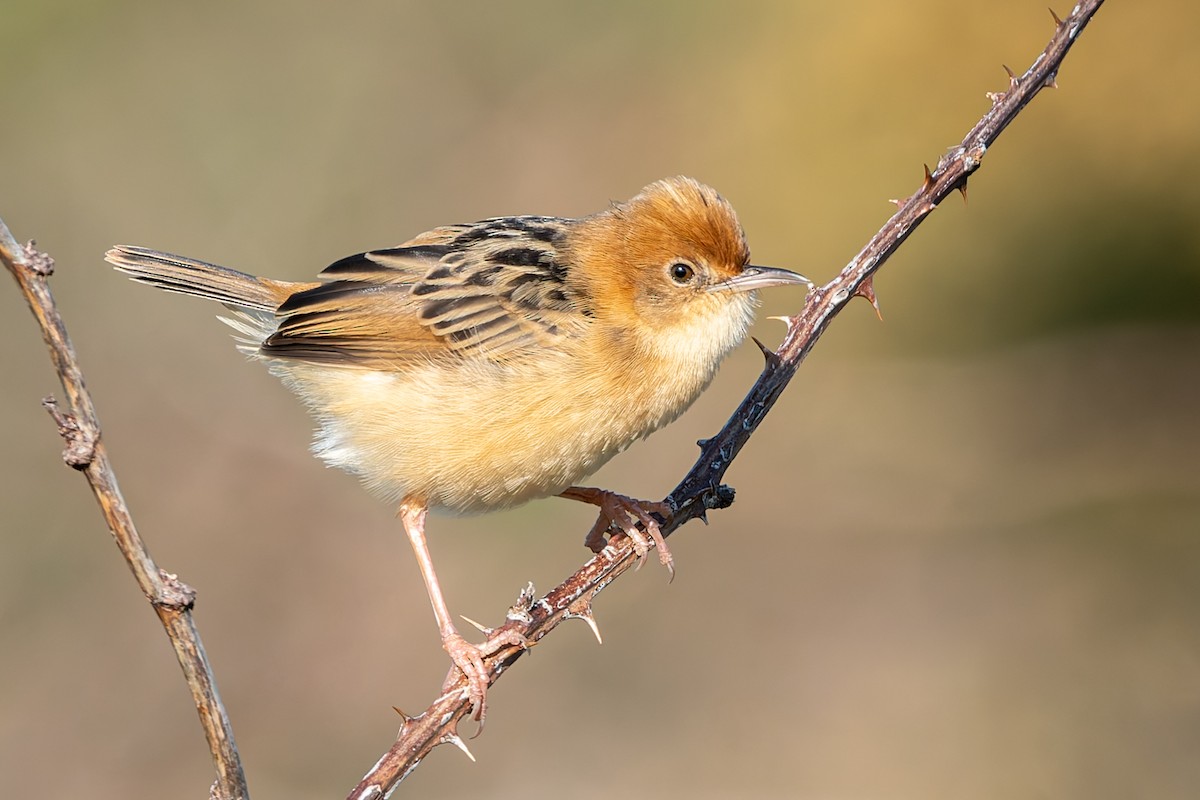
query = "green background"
{"x": 964, "y": 560}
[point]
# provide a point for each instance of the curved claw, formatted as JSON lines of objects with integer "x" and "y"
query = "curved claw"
{"x": 625, "y": 513}
{"x": 469, "y": 660}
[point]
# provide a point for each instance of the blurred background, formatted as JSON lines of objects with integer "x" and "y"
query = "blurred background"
{"x": 965, "y": 556}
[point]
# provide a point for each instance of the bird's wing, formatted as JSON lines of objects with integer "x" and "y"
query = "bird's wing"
{"x": 495, "y": 289}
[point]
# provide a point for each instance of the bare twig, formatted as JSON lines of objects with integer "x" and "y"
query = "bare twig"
{"x": 701, "y": 489}
{"x": 85, "y": 451}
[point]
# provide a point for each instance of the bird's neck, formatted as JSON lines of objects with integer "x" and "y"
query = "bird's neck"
{"x": 664, "y": 368}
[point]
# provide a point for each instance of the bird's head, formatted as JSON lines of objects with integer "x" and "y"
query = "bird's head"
{"x": 671, "y": 266}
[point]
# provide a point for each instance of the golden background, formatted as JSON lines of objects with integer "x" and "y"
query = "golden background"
{"x": 964, "y": 561}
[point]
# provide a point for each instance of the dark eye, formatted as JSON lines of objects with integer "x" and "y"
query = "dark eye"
{"x": 681, "y": 272}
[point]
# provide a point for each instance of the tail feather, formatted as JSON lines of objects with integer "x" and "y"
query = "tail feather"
{"x": 188, "y": 276}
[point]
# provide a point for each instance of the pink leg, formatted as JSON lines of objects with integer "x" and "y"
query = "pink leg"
{"x": 466, "y": 657}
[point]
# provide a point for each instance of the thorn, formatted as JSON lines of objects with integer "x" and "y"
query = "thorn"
{"x": 768, "y": 354}
{"x": 702, "y": 443}
{"x": 927, "y": 184}
{"x": 898, "y": 201}
{"x": 1012, "y": 78}
{"x": 582, "y": 609}
{"x": 591, "y": 623}
{"x": 1051, "y": 81}
{"x": 486, "y": 631}
{"x": 590, "y": 619}
{"x": 456, "y": 740}
{"x": 962, "y": 189}
{"x": 1058, "y": 23}
{"x": 789, "y": 321}
{"x": 866, "y": 290}
{"x": 405, "y": 719}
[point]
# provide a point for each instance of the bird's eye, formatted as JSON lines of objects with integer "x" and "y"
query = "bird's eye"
{"x": 681, "y": 272}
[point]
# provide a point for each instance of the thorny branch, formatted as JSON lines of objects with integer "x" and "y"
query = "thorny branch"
{"x": 701, "y": 488}
{"x": 85, "y": 451}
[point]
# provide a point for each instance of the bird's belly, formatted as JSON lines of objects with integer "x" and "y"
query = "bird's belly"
{"x": 472, "y": 438}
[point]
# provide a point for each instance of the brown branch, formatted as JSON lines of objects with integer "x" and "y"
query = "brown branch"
{"x": 701, "y": 488}
{"x": 85, "y": 451}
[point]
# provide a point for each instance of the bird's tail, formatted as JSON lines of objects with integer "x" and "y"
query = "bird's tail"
{"x": 189, "y": 276}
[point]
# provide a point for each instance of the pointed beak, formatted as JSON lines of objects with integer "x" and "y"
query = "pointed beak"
{"x": 760, "y": 278}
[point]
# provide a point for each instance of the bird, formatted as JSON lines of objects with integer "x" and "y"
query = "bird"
{"x": 478, "y": 366}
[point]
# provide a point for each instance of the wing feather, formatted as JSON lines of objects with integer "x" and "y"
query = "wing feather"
{"x": 497, "y": 289}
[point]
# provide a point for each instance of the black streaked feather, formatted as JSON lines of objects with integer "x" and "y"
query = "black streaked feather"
{"x": 494, "y": 289}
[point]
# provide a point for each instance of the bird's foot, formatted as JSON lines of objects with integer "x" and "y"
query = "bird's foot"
{"x": 624, "y": 514}
{"x": 468, "y": 660}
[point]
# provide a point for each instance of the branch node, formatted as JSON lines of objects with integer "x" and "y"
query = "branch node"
{"x": 81, "y": 439}
{"x": 39, "y": 263}
{"x": 519, "y": 611}
{"x": 718, "y": 497}
{"x": 174, "y": 593}
{"x": 973, "y": 157}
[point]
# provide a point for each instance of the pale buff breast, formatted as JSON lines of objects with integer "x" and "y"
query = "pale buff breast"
{"x": 470, "y": 439}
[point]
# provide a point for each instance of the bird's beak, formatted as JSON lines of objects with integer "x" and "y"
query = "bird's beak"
{"x": 753, "y": 277}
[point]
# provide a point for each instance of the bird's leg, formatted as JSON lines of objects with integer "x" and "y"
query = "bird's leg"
{"x": 625, "y": 512}
{"x": 466, "y": 657}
